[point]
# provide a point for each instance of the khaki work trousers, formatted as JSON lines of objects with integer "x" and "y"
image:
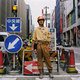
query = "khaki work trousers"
{"x": 43, "y": 52}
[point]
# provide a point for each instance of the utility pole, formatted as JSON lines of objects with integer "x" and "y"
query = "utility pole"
{"x": 46, "y": 14}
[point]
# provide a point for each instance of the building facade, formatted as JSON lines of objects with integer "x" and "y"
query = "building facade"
{"x": 58, "y": 35}
{"x": 71, "y": 28}
{"x": 46, "y": 15}
{"x": 52, "y": 19}
{"x": 23, "y": 15}
{"x": 6, "y": 11}
{"x": 29, "y": 21}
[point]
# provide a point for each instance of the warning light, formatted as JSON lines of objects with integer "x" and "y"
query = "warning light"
{"x": 14, "y": 8}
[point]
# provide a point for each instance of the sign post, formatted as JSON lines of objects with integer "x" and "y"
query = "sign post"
{"x": 13, "y": 44}
{"x": 13, "y": 25}
{"x": 53, "y": 39}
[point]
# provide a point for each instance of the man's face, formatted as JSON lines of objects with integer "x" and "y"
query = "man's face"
{"x": 41, "y": 22}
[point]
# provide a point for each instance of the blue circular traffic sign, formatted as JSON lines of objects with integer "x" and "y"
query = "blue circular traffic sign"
{"x": 13, "y": 43}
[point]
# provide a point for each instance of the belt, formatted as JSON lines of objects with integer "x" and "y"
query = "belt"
{"x": 42, "y": 42}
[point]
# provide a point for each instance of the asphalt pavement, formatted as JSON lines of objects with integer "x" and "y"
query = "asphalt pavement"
{"x": 61, "y": 75}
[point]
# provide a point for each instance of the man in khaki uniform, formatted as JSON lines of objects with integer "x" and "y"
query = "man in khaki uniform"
{"x": 42, "y": 36}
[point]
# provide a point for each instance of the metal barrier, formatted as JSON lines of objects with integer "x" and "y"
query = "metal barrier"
{"x": 23, "y": 59}
{"x": 64, "y": 65}
{"x": 56, "y": 59}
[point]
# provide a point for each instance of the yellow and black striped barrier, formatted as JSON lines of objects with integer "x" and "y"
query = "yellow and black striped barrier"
{"x": 27, "y": 55}
{"x": 53, "y": 54}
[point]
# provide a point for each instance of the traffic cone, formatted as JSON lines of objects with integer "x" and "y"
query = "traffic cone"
{"x": 71, "y": 65}
{"x": 1, "y": 63}
{"x": 63, "y": 57}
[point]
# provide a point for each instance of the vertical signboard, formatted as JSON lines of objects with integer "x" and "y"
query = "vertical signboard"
{"x": 53, "y": 39}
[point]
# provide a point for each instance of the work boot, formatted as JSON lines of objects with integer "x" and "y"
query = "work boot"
{"x": 41, "y": 73}
{"x": 50, "y": 74}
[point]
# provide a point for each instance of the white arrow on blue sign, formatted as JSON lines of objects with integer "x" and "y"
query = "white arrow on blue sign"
{"x": 13, "y": 25}
{"x": 13, "y": 43}
{"x": 52, "y": 30}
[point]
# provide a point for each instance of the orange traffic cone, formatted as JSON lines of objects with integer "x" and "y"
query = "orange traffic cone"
{"x": 1, "y": 63}
{"x": 71, "y": 65}
{"x": 63, "y": 57}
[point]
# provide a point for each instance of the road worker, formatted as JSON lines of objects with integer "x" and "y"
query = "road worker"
{"x": 41, "y": 35}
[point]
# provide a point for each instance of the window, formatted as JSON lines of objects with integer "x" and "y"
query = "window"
{"x": 78, "y": 8}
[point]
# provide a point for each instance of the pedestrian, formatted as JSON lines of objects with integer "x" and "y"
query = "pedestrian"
{"x": 42, "y": 36}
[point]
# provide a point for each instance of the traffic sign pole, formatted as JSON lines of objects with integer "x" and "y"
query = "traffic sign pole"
{"x": 14, "y": 61}
{"x": 13, "y": 25}
{"x": 13, "y": 44}
{"x": 14, "y": 65}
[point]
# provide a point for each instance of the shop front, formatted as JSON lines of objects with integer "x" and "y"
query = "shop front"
{"x": 78, "y": 35}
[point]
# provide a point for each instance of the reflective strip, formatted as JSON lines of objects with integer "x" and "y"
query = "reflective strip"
{"x": 1, "y": 66}
{"x": 1, "y": 71}
{"x": 71, "y": 69}
{"x": 63, "y": 61}
{"x": 71, "y": 65}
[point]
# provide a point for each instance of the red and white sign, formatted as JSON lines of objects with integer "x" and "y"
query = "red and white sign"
{"x": 30, "y": 67}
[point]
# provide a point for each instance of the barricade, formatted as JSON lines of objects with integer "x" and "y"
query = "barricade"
{"x": 71, "y": 64}
{"x": 55, "y": 57}
{"x": 27, "y": 57}
{"x": 63, "y": 56}
{"x": 1, "y": 63}
{"x": 29, "y": 67}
